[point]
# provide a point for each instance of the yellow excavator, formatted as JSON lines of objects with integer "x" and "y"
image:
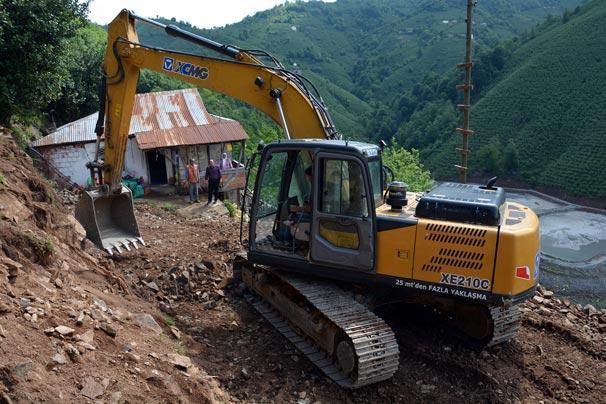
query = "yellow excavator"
{"x": 329, "y": 240}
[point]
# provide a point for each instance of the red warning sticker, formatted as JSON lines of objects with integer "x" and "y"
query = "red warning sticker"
{"x": 523, "y": 272}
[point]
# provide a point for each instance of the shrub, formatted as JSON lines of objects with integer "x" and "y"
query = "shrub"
{"x": 231, "y": 208}
{"x": 407, "y": 167}
{"x": 43, "y": 248}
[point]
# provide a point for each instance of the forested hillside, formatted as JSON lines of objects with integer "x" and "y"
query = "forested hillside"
{"x": 384, "y": 68}
{"x": 539, "y": 112}
{"x": 362, "y": 54}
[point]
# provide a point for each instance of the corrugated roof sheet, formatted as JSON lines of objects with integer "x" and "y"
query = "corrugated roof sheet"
{"x": 164, "y": 119}
{"x": 82, "y": 130}
{"x": 218, "y": 132}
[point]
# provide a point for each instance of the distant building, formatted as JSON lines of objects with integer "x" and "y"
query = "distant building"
{"x": 167, "y": 129}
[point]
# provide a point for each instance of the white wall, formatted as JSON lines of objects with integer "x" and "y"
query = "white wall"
{"x": 71, "y": 160}
{"x": 134, "y": 162}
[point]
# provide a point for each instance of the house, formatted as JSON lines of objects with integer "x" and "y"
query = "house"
{"x": 167, "y": 129}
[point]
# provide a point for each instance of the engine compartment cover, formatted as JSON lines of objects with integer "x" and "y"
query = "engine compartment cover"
{"x": 464, "y": 203}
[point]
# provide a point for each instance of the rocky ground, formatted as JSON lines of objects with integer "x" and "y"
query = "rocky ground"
{"x": 72, "y": 330}
{"x": 558, "y": 355}
{"x": 166, "y": 323}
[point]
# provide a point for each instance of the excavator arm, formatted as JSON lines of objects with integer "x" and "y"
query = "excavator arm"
{"x": 106, "y": 211}
{"x": 280, "y": 94}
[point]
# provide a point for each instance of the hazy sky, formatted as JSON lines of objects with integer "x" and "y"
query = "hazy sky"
{"x": 201, "y": 13}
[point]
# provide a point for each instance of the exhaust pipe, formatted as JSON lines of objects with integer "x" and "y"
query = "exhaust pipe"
{"x": 109, "y": 220}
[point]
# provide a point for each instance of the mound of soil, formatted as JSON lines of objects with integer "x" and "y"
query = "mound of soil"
{"x": 70, "y": 329}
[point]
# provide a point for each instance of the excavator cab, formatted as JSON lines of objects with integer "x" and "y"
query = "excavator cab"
{"x": 314, "y": 205}
{"x": 109, "y": 219}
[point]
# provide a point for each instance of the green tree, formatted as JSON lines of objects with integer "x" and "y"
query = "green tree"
{"x": 33, "y": 48}
{"x": 150, "y": 81}
{"x": 490, "y": 159}
{"x": 79, "y": 92}
{"x": 511, "y": 158}
{"x": 407, "y": 167}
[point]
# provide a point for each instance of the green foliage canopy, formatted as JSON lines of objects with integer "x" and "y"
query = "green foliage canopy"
{"x": 407, "y": 167}
{"x": 537, "y": 114}
{"x": 79, "y": 91}
{"x": 33, "y": 38}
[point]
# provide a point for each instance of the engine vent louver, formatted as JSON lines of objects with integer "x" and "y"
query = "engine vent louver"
{"x": 464, "y": 257}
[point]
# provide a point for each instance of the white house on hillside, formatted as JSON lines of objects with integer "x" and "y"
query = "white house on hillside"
{"x": 166, "y": 130}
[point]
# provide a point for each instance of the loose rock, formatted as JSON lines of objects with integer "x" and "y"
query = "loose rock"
{"x": 64, "y": 330}
{"x": 88, "y": 336}
{"x": 180, "y": 361}
{"x": 108, "y": 329}
{"x": 91, "y": 388}
{"x": 145, "y": 320}
{"x": 59, "y": 359}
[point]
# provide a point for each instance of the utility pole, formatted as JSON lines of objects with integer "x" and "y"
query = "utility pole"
{"x": 466, "y": 88}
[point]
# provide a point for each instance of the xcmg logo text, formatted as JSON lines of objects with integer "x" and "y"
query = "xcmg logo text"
{"x": 186, "y": 69}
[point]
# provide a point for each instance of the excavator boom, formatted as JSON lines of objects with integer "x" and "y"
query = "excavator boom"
{"x": 292, "y": 102}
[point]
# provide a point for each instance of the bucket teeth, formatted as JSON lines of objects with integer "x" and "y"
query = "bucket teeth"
{"x": 141, "y": 240}
{"x": 118, "y": 247}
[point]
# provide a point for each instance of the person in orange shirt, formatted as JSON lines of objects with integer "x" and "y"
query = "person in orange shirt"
{"x": 192, "y": 179}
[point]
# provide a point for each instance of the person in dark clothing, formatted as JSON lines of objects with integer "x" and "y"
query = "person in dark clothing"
{"x": 213, "y": 176}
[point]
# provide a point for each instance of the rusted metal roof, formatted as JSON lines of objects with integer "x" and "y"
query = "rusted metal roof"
{"x": 161, "y": 119}
{"x": 217, "y": 132}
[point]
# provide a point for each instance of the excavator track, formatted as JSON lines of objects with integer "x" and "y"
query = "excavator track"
{"x": 506, "y": 323}
{"x": 349, "y": 343}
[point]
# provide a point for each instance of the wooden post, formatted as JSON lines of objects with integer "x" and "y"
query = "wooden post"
{"x": 466, "y": 88}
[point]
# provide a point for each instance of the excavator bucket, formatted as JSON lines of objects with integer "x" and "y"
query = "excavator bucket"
{"x": 109, "y": 220}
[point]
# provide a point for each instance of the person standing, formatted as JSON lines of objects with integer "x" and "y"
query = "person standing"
{"x": 225, "y": 163}
{"x": 192, "y": 179}
{"x": 213, "y": 176}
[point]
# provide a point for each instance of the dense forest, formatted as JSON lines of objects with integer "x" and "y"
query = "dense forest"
{"x": 385, "y": 70}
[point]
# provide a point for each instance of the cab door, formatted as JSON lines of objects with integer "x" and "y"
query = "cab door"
{"x": 343, "y": 223}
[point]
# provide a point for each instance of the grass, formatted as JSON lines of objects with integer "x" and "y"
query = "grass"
{"x": 50, "y": 197}
{"x": 169, "y": 207}
{"x": 43, "y": 248}
{"x": 169, "y": 321}
{"x": 2, "y": 179}
{"x": 180, "y": 348}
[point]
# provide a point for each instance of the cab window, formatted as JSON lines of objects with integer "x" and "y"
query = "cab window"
{"x": 342, "y": 188}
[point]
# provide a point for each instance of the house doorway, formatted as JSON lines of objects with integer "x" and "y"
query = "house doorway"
{"x": 157, "y": 168}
